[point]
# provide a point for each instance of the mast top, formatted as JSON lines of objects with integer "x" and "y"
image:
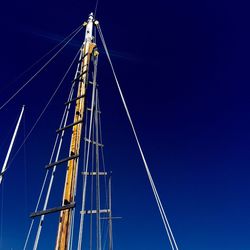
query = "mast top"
{"x": 89, "y": 28}
{"x": 91, "y": 15}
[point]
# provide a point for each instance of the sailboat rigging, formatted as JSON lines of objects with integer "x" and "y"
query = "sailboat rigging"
{"x": 94, "y": 210}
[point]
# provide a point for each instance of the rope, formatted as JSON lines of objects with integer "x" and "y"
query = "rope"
{"x": 45, "y": 55}
{"x": 37, "y": 72}
{"x": 157, "y": 198}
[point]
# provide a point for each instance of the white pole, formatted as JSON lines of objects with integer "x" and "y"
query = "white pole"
{"x": 11, "y": 145}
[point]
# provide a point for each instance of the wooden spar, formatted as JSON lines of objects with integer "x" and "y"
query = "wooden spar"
{"x": 63, "y": 234}
{"x": 11, "y": 145}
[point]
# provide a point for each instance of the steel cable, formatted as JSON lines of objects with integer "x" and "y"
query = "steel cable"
{"x": 54, "y": 168}
{"x": 44, "y": 56}
{"x": 38, "y": 71}
{"x": 54, "y": 148}
{"x": 157, "y": 198}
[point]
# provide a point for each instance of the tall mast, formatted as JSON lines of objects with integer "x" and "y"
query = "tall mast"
{"x": 11, "y": 145}
{"x": 92, "y": 166}
{"x": 65, "y": 222}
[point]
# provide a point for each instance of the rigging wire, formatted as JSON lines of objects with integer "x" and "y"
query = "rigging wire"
{"x": 54, "y": 168}
{"x": 160, "y": 207}
{"x": 96, "y": 6}
{"x": 103, "y": 164}
{"x": 142, "y": 154}
{"x": 62, "y": 123}
{"x": 102, "y": 151}
{"x": 98, "y": 226}
{"x": 44, "y": 56}
{"x": 92, "y": 194}
{"x": 2, "y": 216}
{"x": 87, "y": 155}
{"x": 25, "y": 167}
{"x": 44, "y": 181}
{"x": 8, "y": 133}
{"x": 66, "y": 113}
{"x": 38, "y": 71}
{"x": 43, "y": 111}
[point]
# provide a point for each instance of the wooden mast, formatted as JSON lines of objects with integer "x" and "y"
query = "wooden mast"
{"x": 63, "y": 234}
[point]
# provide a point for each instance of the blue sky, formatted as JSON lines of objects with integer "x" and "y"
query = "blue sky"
{"x": 184, "y": 69}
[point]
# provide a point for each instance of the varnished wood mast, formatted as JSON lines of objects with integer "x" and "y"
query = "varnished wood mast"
{"x": 63, "y": 234}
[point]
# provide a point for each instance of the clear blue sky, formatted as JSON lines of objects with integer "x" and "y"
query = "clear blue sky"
{"x": 184, "y": 69}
